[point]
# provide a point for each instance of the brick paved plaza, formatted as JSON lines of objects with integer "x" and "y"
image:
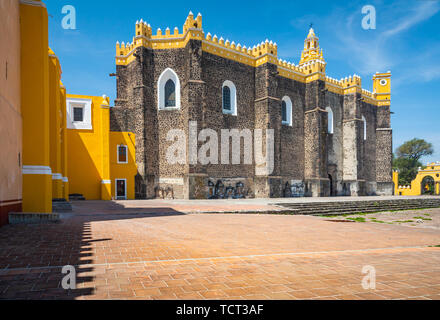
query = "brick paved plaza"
{"x": 154, "y": 250}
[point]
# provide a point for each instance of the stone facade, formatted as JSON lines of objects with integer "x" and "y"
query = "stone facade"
{"x": 338, "y": 163}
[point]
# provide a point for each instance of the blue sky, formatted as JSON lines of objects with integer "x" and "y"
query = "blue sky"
{"x": 406, "y": 41}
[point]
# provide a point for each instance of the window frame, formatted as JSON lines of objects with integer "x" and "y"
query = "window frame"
{"x": 125, "y": 188}
{"x": 233, "y": 98}
{"x": 86, "y": 105}
{"x": 126, "y": 154}
{"x": 364, "y": 129}
{"x": 289, "y": 111}
{"x": 168, "y": 74}
{"x": 330, "y": 125}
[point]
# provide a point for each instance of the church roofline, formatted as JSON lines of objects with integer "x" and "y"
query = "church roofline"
{"x": 309, "y": 68}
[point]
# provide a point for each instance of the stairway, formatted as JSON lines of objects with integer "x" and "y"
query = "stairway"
{"x": 76, "y": 196}
{"x": 61, "y": 205}
{"x": 353, "y": 207}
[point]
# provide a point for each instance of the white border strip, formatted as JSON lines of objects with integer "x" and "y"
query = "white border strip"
{"x": 106, "y": 182}
{"x": 33, "y": 3}
{"x": 36, "y": 170}
{"x": 57, "y": 176}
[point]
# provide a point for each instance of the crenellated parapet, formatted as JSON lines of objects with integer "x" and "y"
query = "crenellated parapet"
{"x": 167, "y": 39}
{"x": 311, "y": 67}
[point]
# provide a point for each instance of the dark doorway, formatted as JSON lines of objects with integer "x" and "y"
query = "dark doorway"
{"x": 428, "y": 185}
{"x": 332, "y": 193}
{"x": 121, "y": 189}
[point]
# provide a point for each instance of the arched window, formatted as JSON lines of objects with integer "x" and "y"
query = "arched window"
{"x": 364, "y": 121}
{"x": 330, "y": 120}
{"x": 229, "y": 98}
{"x": 168, "y": 86}
{"x": 286, "y": 111}
{"x": 170, "y": 94}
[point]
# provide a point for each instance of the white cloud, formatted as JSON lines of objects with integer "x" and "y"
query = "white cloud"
{"x": 423, "y": 12}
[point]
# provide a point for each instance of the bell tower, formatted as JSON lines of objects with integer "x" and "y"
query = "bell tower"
{"x": 311, "y": 51}
{"x": 384, "y": 133}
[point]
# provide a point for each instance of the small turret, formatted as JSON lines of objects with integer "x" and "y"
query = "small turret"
{"x": 311, "y": 51}
{"x": 191, "y": 23}
{"x": 382, "y": 86}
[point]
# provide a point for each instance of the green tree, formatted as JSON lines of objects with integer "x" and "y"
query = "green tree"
{"x": 408, "y": 156}
{"x": 415, "y": 149}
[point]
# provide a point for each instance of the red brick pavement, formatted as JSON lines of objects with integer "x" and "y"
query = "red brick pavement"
{"x": 126, "y": 253}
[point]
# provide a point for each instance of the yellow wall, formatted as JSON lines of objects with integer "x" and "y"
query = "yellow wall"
{"x": 55, "y": 117}
{"x": 415, "y": 189}
{"x": 10, "y": 119}
{"x": 91, "y": 155}
{"x": 64, "y": 142}
{"x": 123, "y": 171}
{"x": 85, "y": 155}
{"x": 37, "y": 176}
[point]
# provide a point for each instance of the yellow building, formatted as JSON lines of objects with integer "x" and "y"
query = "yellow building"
{"x": 101, "y": 163}
{"x": 426, "y": 182}
{"x": 34, "y": 159}
{"x": 53, "y": 144}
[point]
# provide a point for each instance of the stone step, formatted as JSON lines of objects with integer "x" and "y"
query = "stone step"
{"x": 76, "y": 197}
{"x": 342, "y": 205}
{"x": 368, "y": 207}
{"x": 61, "y": 206}
{"x": 352, "y": 207}
{"x": 382, "y": 202}
{"x": 32, "y": 217}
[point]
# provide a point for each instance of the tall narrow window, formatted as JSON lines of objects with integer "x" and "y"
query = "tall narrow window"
{"x": 283, "y": 111}
{"x": 122, "y": 154}
{"x": 364, "y": 122}
{"x": 286, "y": 111}
{"x": 170, "y": 94}
{"x": 229, "y": 98}
{"x": 226, "y": 98}
{"x": 330, "y": 120}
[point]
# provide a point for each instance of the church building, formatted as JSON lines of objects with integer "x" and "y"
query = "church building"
{"x": 331, "y": 137}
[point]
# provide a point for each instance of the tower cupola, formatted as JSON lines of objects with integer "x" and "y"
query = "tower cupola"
{"x": 311, "y": 52}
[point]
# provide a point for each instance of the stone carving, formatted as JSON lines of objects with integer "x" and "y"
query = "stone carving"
{"x": 219, "y": 191}
{"x": 297, "y": 189}
{"x": 164, "y": 193}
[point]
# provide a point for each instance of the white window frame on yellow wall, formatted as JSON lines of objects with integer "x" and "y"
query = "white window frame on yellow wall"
{"x": 86, "y": 104}
{"x": 125, "y": 188}
{"x": 126, "y": 153}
